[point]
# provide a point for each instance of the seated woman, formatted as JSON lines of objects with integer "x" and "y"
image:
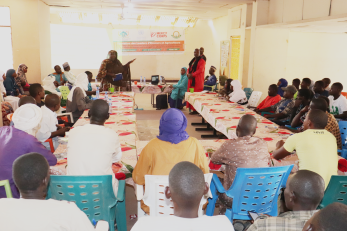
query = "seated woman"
{"x": 77, "y": 100}
{"x": 281, "y": 83}
{"x": 226, "y": 90}
{"x": 10, "y": 83}
{"x": 179, "y": 90}
{"x": 173, "y": 145}
{"x": 237, "y": 95}
{"x": 60, "y": 78}
{"x": 210, "y": 80}
{"x": 21, "y": 79}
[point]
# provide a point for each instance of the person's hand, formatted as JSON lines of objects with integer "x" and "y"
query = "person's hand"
{"x": 267, "y": 115}
{"x": 130, "y": 62}
{"x": 61, "y": 132}
{"x": 279, "y": 144}
{"x": 56, "y": 84}
{"x": 305, "y": 109}
{"x": 4, "y": 93}
{"x": 190, "y": 76}
{"x": 297, "y": 103}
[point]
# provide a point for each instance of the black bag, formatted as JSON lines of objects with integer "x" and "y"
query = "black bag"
{"x": 161, "y": 101}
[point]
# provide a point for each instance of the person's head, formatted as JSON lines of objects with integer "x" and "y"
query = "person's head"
{"x": 26, "y": 100}
{"x": 112, "y": 55}
{"x": 336, "y": 89}
{"x": 330, "y": 218}
{"x": 306, "y": 83}
{"x": 172, "y": 126}
{"x": 318, "y": 87}
{"x": 27, "y": 118}
{"x": 31, "y": 175}
{"x": 315, "y": 119}
{"x": 212, "y": 70}
{"x": 57, "y": 69}
{"x": 82, "y": 81}
{"x": 36, "y": 91}
{"x": 235, "y": 85}
{"x": 247, "y": 126}
{"x": 289, "y": 92}
{"x": 326, "y": 82}
{"x": 305, "y": 96}
{"x": 326, "y": 100}
{"x": 183, "y": 71}
{"x": 282, "y": 83}
{"x": 90, "y": 76}
{"x": 227, "y": 84}
{"x": 202, "y": 50}
{"x": 273, "y": 89}
{"x": 296, "y": 83}
{"x": 23, "y": 68}
{"x": 66, "y": 66}
{"x": 319, "y": 104}
{"x": 52, "y": 101}
{"x": 98, "y": 112}
{"x": 11, "y": 73}
{"x": 304, "y": 191}
{"x": 196, "y": 53}
{"x": 186, "y": 187}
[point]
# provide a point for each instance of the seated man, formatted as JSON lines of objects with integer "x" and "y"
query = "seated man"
{"x": 331, "y": 218}
{"x": 306, "y": 83}
{"x": 172, "y": 146}
{"x": 283, "y": 108}
{"x": 296, "y": 84}
{"x": 49, "y": 122}
{"x": 303, "y": 100}
{"x": 338, "y": 103}
{"x": 304, "y": 192}
{"x": 271, "y": 99}
{"x": 93, "y": 148}
{"x": 33, "y": 211}
{"x": 316, "y": 147}
{"x": 38, "y": 93}
{"x": 326, "y": 82}
{"x": 90, "y": 91}
{"x": 211, "y": 80}
{"x": 320, "y": 90}
{"x": 19, "y": 140}
{"x": 186, "y": 188}
{"x": 246, "y": 151}
{"x": 60, "y": 78}
{"x": 71, "y": 78}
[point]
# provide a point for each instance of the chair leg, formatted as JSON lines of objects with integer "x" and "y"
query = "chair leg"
{"x": 121, "y": 217}
{"x": 51, "y": 146}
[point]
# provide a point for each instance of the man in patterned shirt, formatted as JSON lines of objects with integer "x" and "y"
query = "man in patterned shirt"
{"x": 304, "y": 192}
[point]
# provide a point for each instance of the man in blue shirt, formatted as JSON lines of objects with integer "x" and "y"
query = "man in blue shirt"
{"x": 211, "y": 80}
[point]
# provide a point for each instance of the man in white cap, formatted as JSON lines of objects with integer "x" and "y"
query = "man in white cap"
{"x": 211, "y": 80}
{"x": 68, "y": 74}
{"x": 19, "y": 140}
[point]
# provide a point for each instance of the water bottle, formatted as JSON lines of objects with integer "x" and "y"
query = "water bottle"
{"x": 160, "y": 79}
{"x": 97, "y": 92}
{"x": 144, "y": 80}
{"x": 141, "y": 80}
{"x": 106, "y": 96}
{"x": 109, "y": 106}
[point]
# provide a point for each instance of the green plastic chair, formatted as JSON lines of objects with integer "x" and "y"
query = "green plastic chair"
{"x": 222, "y": 79}
{"x": 335, "y": 192}
{"x": 7, "y": 186}
{"x": 64, "y": 90}
{"x": 93, "y": 195}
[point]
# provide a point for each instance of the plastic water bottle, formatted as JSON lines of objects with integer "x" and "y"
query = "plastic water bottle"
{"x": 141, "y": 80}
{"x": 161, "y": 79}
{"x": 97, "y": 92}
{"x": 109, "y": 105}
{"x": 144, "y": 80}
{"x": 106, "y": 96}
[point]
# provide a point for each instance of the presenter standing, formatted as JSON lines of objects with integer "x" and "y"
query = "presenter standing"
{"x": 112, "y": 66}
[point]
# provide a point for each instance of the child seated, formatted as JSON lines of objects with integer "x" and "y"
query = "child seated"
{"x": 38, "y": 93}
{"x": 186, "y": 188}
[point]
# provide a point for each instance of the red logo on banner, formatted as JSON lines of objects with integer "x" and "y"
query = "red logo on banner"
{"x": 153, "y": 34}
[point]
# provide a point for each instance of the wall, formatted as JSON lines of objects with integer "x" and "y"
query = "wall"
{"x": 45, "y": 38}
{"x": 206, "y": 33}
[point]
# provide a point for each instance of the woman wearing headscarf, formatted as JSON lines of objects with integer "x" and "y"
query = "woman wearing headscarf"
{"x": 2, "y": 87}
{"x": 6, "y": 107}
{"x": 21, "y": 79}
{"x": 226, "y": 90}
{"x": 77, "y": 100}
{"x": 237, "y": 95}
{"x": 172, "y": 146}
{"x": 281, "y": 83}
{"x": 10, "y": 83}
{"x": 179, "y": 90}
{"x": 112, "y": 66}
{"x": 20, "y": 139}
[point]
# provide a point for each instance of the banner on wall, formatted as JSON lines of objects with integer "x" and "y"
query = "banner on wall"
{"x": 149, "y": 41}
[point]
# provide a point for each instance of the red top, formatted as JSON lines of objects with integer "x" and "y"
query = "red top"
{"x": 269, "y": 101}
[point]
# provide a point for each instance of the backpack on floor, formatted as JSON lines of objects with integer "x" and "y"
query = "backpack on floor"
{"x": 161, "y": 101}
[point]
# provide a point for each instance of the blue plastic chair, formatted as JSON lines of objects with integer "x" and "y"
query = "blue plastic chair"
{"x": 343, "y": 132}
{"x": 93, "y": 195}
{"x": 254, "y": 190}
{"x": 290, "y": 127}
{"x": 248, "y": 92}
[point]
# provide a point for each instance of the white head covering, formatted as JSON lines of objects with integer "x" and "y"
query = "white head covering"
{"x": 27, "y": 118}
{"x": 237, "y": 94}
{"x": 48, "y": 85}
{"x": 2, "y": 87}
{"x": 81, "y": 82}
{"x": 66, "y": 64}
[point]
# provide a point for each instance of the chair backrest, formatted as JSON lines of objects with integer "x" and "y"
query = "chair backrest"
{"x": 254, "y": 99}
{"x": 155, "y": 198}
{"x": 343, "y": 132}
{"x": 92, "y": 194}
{"x": 335, "y": 192}
{"x": 7, "y": 186}
{"x": 64, "y": 90}
{"x": 256, "y": 190}
{"x": 344, "y": 94}
{"x": 248, "y": 92}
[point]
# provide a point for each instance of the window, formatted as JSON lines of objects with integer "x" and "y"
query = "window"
{"x": 6, "y": 56}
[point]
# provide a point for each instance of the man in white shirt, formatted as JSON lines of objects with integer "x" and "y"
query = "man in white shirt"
{"x": 68, "y": 74}
{"x": 32, "y": 212}
{"x": 93, "y": 148}
{"x": 338, "y": 103}
{"x": 49, "y": 122}
{"x": 186, "y": 188}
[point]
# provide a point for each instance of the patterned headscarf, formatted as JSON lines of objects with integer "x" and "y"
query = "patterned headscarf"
{"x": 173, "y": 124}
{"x": 284, "y": 83}
{"x": 21, "y": 77}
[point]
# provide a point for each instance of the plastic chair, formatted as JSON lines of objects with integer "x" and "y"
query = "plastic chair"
{"x": 335, "y": 192}
{"x": 155, "y": 199}
{"x": 254, "y": 189}
{"x": 64, "y": 90}
{"x": 343, "y": 132}
{"x": 248, "y": 92}
{"x": 254, "y": 99}
{"x": 212, "y": 87}
{"x": 93, "y": 195}
{"x": 7, "y": 186}
{"x": 344, "y": 94}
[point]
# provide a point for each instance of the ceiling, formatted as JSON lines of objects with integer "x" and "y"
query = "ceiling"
{"x": 202, "y": 9}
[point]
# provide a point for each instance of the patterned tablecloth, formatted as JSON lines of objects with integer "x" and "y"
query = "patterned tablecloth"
{"x": 150, "y": 89}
